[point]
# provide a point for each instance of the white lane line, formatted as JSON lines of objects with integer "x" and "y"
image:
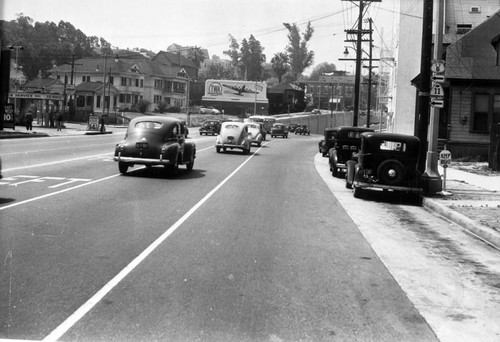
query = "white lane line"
{"x": 57, "y": 192}
{"x": 54, "y": 162}
{"x": 96, "y": 298}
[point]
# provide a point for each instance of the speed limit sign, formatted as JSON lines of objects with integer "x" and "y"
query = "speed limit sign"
{"x": 445, "y": 158}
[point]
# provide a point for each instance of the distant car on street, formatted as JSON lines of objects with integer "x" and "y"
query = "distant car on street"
{"x": 233, "y": 135}
{"x": 155, "y": 140}
{"x": 328, "y": 141}
{"x": 256, "y": 133}
{"x": 386, "y": 161}
{"x": 279, "y": 130}
{"x": 302, "y": 130}
{"x": 346, "y": 147}
{"x": 209, "y": 110}
{"x": 292, "y": 127}
{"x": 211, "y": 127}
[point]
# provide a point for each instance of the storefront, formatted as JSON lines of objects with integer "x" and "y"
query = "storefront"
{"x": 42, "y": 106}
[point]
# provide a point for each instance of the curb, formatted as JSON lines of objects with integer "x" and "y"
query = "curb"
{"x": 484, "y": 233}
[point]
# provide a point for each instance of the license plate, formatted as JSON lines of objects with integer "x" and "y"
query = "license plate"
{"x": 141, "y": 145}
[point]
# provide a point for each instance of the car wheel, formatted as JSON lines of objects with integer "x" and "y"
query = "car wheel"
{"x": 172, "y": 169}
{"x": 217, "y": 149}
{"x": 358, "y": 192}
{"x": 122, "y": 167}
{"x": 391, "y": 172}
{"x": 190, "y": 165}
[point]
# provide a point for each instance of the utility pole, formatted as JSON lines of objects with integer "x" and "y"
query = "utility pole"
{"x": 431, "y": 177}
{"x": 425, "y": 80}
{"x": 370, "y": 66}
{"x": 359, "y": 32}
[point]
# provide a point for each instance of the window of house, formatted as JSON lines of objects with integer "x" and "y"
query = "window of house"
{"x": 85, "y": 78}
{"x": 496, "y": 45}
{"x": 98, "y": 100}
{"x": 463, "y": 28}
{"x": 80, "y": 101}
{"x": 479, "y": 122}
{"x": 142, "y": 83}
{"x": 137, "y": 82}
{"x": 123, "y": 81}
{"x": 111, "y": 79}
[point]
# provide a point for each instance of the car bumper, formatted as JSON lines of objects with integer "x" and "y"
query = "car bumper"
{"x": 142, "y": 161}
{"x": 230, "y": 146}
{"x": 359, "y": 184}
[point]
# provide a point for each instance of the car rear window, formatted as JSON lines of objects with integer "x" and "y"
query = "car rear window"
{"x": 393, "y": 146}
{"x": 229, "y": 126}
{"x": 148, "y": 125}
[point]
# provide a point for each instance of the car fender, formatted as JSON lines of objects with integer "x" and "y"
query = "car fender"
{"x": 332, "y": 156}
{"x": 189, "y": 150}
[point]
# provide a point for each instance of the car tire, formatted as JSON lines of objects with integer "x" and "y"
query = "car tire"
{"x": 391, "y": 172}
{"x": 358, "y": 192}
{"x": 217, "y": 149}
{"x": 122, "y": 167}
{"x": 190, "y": 165}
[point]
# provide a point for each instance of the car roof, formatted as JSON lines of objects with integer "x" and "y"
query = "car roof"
{"x": 390, "y": 137}
{"x": 162, "y": 119}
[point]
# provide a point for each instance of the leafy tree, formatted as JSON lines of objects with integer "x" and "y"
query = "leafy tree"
{"x": 300, "y": 56}
{"x": 217, "y": 72}
{"x": 322, "y": 68}
{"x": 142, "y": 106}
{"x": 280, "y": 64}
{"x": 196, "y": 55}
{"x": 248, "y": 57}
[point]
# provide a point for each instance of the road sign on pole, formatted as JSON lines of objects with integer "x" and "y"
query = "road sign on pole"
{"x": 437, "y": 102}
{"x": 438, "y": 78}
{"x": 437, "y": 90}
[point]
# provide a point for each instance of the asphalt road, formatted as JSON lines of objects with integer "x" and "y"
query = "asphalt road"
{"x": 244, "y": 248}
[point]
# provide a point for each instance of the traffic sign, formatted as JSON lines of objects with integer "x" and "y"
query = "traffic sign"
{"x": 445, "y": 158}
{"x": 437, "y": 90}
{"x": 437, "y": 103}
{"x": 437, "y": 66}
{"x": 438, "y": 78}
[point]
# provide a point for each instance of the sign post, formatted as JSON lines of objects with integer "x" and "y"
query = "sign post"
{"x": 444, "y": 160}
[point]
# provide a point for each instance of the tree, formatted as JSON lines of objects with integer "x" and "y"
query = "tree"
{"x": 300, "y": 56}
{"x": 196, "y": 55}
{"x": 320, "y": 69}
{"x": 247, "y": 57}
{"x": 280, "y": 64}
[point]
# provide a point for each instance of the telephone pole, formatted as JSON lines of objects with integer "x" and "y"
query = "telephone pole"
{"x": 359, "y": 32}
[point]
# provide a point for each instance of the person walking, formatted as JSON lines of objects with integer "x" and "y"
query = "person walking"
{"x": 29, "y": 121}
{"x": 59, "y": 120}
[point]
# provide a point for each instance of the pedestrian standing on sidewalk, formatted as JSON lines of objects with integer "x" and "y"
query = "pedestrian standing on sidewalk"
{"x": 59, "y": 120}
{"x": 29, "y": 121}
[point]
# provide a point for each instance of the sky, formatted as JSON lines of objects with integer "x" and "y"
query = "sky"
{"x": 156, "y": 24}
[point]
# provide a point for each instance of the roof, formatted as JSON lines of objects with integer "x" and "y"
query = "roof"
{"x": 473, "y": 56}
{"x": 173, "y": 59}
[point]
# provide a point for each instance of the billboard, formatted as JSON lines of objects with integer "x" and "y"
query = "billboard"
{"x": 235, "y": 91}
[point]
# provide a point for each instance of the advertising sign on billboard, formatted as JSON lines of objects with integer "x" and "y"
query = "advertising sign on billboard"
{"x": 235, "y": 91}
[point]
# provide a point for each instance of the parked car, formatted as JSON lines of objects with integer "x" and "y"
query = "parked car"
{"x": 256, "y": 133}
{"x": 292, "y": 127}
{"x": 328, "y": 141}
{"x": 302, "y": 130}
{"x": 386, "y": 161}
{"x": 279, "y": 130}
{"x": 155, "y": 140}
{"x": 346, "y": 147}
{"x": 316, "y": 111}
{"x": 211, "y": 127}
{"x": 209, "y": 110}
{"x": 233, "y": 135}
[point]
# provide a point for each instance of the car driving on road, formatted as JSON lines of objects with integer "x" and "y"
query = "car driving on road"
{"x": 155, "y": 140}
{"x": 211, "y": 127}
{"x": 256, "y": 133}
{"x": 233, "y": 135}
{"x": 279, "y": 130}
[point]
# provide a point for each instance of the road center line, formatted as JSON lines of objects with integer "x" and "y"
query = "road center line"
{"x": 96, "y": 298}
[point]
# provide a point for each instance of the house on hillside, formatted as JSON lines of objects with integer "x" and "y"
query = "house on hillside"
{"x": 286, "y": 98}
{"x": 473, "y": 77}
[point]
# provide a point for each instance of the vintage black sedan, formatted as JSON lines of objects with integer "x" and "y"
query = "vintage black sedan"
{"x": 328, "y": 141}
{"x": 386, "y": 161}
{"x": 211, "y": 127}
{"x": 279, "y": 130}
{"x": 346, "y": 147}
{"x": 155, "y": 140}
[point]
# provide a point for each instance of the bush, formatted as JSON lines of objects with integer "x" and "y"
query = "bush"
{"x": 173, "y": 109}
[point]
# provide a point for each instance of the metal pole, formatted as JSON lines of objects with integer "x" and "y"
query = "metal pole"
{"x": 357, "y": 78}
{"x": 103, "y": 102}
{"x": 369, "y": 101}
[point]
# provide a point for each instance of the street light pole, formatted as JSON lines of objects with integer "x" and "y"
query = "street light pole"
{"x": 104, "y": 85}
{"x": 17, "y": 48}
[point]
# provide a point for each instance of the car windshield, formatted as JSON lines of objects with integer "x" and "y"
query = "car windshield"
{"x": 148, "y": 125}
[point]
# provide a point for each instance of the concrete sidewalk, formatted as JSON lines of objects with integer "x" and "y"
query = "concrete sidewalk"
{"x": 472, "y": 201}
{"x": 69, "y": 128}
